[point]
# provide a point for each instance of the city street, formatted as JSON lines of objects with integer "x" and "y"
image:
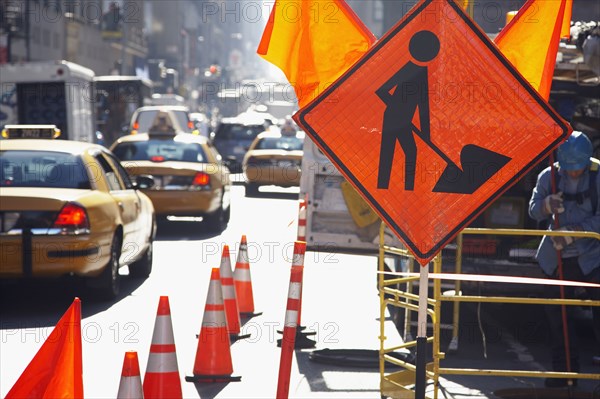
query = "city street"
{"x": 340, "y": 304}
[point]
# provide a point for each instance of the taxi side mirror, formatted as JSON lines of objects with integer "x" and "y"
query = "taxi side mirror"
{"x": 142, "y": 182}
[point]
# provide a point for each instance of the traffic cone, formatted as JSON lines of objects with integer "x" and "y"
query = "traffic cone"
{"x": 162, "y": 374}
{"x": 289, "y": 331}
{"x": 213, "y": 356}
{"x": 302, "y": 340}
{"x": 130, "y": 386}
{"x": 243, "y": 282}
{"x": 232, "y": 312}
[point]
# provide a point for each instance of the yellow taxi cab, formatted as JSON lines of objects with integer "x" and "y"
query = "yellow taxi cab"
{"x": 273, "y": 158}
{"x": 190, "y": 178}
{"x": 70, "y": 208}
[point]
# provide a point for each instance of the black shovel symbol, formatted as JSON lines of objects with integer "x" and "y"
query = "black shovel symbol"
{"x": 478, "y": 166}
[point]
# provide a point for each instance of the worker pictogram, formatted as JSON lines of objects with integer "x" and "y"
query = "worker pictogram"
{"x": 398, "y": 125}
{"x": 432, "y": 125}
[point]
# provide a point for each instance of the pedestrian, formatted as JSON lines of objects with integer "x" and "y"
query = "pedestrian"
{"x": 569, "y": 204}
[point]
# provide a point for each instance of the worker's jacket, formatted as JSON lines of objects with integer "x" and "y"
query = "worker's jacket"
{"x": 579, "y": 213}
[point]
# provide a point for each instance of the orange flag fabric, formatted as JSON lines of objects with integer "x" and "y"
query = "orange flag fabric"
{"x": 530, "y": 41}
{"x": 56, "y": 370}
{"x": 313, "y": 42}
{"x": 566, "y": 24}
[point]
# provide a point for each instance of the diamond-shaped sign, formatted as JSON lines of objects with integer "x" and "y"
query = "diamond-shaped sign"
{"x": 432, "y": 125}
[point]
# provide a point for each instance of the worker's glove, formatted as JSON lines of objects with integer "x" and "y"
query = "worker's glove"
{"x": 561, "y": 242}
{"x": 554, "y": 203}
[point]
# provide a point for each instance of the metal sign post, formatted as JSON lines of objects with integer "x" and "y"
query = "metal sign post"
{"x": 420, "y": 378}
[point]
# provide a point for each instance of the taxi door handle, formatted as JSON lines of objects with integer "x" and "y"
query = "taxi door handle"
{"x": 121, "y": 207}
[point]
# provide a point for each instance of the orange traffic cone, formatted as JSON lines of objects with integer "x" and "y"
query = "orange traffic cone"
{"x": 162, "y": 374}
{"x": 213, "y": 356}
{"x": 232, "y": 312}
{"x": 130, "y": 386}
{"x": 243, "y": 282}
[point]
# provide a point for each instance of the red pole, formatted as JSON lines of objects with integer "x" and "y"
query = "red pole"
{"x": 560, "y": 274}
{"x": 289, "y": 332}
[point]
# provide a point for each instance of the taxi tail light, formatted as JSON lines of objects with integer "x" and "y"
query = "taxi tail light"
{"x": 201, "y": 180}
{"x": 72, "y": 219}
{"x": 190, "y": 125}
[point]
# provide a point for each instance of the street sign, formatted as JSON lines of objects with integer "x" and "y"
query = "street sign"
{"x": 432, "y": 125}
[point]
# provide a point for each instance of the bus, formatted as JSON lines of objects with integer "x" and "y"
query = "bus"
{"x": 117, "y": 97}
{"x": 49, "y": 93}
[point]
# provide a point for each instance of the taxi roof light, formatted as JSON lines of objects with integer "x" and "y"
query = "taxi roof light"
{"x": 30, "y": 132}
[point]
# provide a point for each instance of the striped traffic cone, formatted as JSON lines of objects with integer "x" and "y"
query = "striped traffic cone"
{"x": 162, "y": 374}
{"x": 243, "y": 282}
{"x": 289, "y": 331}
{"x": 232, "y": 312}
{"x": 213, "y": 356}
{"x": 130, "y": 386}
{"x": 302, "y": 340}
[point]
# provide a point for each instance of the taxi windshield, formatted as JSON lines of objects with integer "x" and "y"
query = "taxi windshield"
{"x": 160, "y": 151}
{"x": 42, "y": 169}
{"x": 280, "y": 143}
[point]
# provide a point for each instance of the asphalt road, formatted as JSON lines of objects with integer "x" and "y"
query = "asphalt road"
{"x": 340, "y": 304}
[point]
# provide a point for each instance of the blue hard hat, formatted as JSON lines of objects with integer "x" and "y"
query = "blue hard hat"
{"x": 575, "y": 153}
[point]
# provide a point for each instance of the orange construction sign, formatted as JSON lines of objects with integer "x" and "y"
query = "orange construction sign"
{"x": 432, "y": 124}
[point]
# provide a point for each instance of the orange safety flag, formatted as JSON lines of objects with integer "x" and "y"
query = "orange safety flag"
{"x": 56, "y": 371}
{"x": 530, "y": 41}
{"x": 313, "y": 42}
{"x": 566, "y": 24}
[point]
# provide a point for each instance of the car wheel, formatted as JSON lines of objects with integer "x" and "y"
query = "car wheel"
{"x": 228, "y": 214}
{"x": 251, "y": 189}
{"x": 143, "y": 266}
{"x": 109, "y": 282}
{"x": 216, "y": 220}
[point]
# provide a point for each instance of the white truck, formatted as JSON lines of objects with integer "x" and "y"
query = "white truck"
{"x": 58, "y": 93}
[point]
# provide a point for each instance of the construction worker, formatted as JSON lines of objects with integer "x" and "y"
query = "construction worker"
{"x": 569, "y": 204}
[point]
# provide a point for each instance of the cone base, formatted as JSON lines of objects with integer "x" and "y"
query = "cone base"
{"x": 249, "y": 315}
{"x": 301, "y": 341}
{"x": 204, "y": 379}
{"x": 236, "y": 337}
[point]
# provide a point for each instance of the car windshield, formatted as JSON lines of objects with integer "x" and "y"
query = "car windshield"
{"x": 42, "y": 169}
{"x": 232, "y": 131}
{"x": 160, "y": 151}
{"x": 145, "y": 119}
{"x": 280, "y": 143}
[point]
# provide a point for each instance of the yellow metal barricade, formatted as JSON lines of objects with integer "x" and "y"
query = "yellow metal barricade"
{"x": 401, "y": 384}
